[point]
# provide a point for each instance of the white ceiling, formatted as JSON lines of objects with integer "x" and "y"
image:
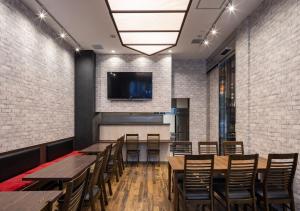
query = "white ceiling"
{"x": 90, "y": 23}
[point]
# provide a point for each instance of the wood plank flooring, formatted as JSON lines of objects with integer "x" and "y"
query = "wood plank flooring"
{"x": 141, "y": 187}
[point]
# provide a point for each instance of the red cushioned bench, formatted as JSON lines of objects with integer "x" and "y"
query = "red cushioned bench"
{"x": 16, "y": 183}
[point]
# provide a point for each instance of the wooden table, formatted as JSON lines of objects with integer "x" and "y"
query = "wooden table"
{"x": 64, "y": 170}
{"x": 95, "y": 148}
{"x": 176, "y": 165}
{"x": 27, "y": 200}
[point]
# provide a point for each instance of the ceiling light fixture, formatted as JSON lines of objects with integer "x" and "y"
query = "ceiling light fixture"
{"x": 62, "y": 35}
{"x": 42, "y": 15}
{"x": 214, "y": 31}
{"x": 170, "y": 51}
{"x": 206, "y": 42}
{"x": 231, "y": 8}
{"x": 148, "y": 26}
{"x": 77, "y": 49}
{"x": 113, "y": 51}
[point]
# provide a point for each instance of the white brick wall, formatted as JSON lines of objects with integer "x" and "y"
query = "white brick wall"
{"x": 190, "y": 81}
{"x": 36, "y": 81}
{"x": 213, "y": 105}
{"x": 268, "y": 79}
{"x": 160, "y": 65}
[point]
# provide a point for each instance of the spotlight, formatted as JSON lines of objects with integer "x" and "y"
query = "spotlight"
{"x": 231, "y": 8}
{"x": 42, "y": 15}
{"x": 206, "y": 42}
{"x": 214, "y": 31}
{"x": 63, "y": 35}
{"x": 113, "y": 51}
{"x": 77, "y": 50}
{"x": 170, "y": 51}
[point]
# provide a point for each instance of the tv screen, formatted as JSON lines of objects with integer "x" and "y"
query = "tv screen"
{"x": 129, "y": 85}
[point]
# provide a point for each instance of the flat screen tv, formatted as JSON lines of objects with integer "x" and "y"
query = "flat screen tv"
{"x": 129, "y": 85}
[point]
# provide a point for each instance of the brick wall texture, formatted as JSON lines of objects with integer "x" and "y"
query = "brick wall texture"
{"x": 161, "y": 68}
{"x": 36, "y": 81}
{"x": 268, "y": 79}
{"x": 213, "y": 105}
{"x": 190, "y": 81}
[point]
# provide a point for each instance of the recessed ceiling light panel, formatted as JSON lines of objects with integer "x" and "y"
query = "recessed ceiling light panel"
{"x": 148, "y": 26}
{"x": 152, "y": 5}
{"x": 148, "y": 21}
{"x": 149, "y": 38}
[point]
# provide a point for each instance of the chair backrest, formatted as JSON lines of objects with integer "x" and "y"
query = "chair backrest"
{"x": 121, "y": 140}
{"x": 75, "y": 191}
{"x": 208, "y": 148}
{"x": 94, "y": 178}
{"x": 181, "y": 148}
{"x": 106, "y": 156}
{"x": 132, "y": 141}
{"x": 198, "y": 174}
{"x": 153, "y": 141}
{"x": 280, "y": 173}
{"x": 233, "y": 148}
{"x": 241, "y": 173}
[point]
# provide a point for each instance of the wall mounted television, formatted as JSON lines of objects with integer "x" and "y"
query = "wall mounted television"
{"x": 129, "y": 85}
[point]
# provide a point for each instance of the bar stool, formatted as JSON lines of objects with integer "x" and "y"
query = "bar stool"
{"x": 153, "y": 146}
{"x": 132, "y": 146}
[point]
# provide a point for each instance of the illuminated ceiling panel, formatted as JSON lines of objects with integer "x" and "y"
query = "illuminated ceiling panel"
{"x": 148, "y": 21}
{"x": 129, "y": 5}
{"x": 148, "y": 26}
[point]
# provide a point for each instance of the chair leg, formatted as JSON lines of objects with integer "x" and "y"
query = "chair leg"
{"x": 93, "y": 204}
{"x": 116, "y": 173}
{"x": 104, "y": 191}
{"x": 102, "y": 202}
{"x": 266, "y": 205}
{"x": 292, "y": 204}
{"x": 122, "y": 160}
{"x": 254, "y": 205}
{"x": 109, "y": 187}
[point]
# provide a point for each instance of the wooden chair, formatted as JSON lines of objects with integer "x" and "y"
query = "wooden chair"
{"x": 196, "y": 186}
{"x": 233, "y": 148}
{"x": 75, "y": 190}
{"x": 239, "y": 187}
{"x": 113, "y": 166}
{"x": 95, "y": 187}
{"x": 132, "y": 146}
{"x": 277, "y": 187}
{"x": 105, "y": 177}
{"x": 121, "y": 165}
{"x": 207, "y": 148}
{"x": 181, "y": 148}
{"x": 153, "y": 146}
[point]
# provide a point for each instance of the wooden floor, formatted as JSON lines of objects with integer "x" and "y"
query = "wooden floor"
{"x": 141, "y": 187}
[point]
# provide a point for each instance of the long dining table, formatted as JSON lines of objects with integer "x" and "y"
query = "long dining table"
{"x": 64, "y": 170}
{"x": 176, "y": 165}
{"x": 28, "y": 200}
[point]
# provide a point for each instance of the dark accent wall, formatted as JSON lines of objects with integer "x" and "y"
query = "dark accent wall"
{"x": 85, "y": 76}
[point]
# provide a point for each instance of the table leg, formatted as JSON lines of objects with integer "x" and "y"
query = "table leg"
{"x": 169, "y": 181}
{"x": 176, "y": 196}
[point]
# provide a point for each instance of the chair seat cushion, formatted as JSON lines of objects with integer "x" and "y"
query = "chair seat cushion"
{"x": 273, "y": 194}
{"x": 243, "y": 194}
{"x": 96, "y": 191}
{"x": 17, "y": 182}
{"x": 192, "y": 195}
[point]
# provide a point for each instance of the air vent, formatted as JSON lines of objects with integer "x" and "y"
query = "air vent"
{"x": 196, "y": 41}
{"x": 225, "y": 51}
{"x": 97, "y": 47}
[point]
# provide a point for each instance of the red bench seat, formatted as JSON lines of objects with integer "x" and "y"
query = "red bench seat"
{"x": 17, "y": 182}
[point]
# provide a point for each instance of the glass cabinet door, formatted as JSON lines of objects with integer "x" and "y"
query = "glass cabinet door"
{"x": 227, "y": 100}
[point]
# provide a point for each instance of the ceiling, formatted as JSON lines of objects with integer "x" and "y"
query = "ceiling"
{"x": 90, "y": 23}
